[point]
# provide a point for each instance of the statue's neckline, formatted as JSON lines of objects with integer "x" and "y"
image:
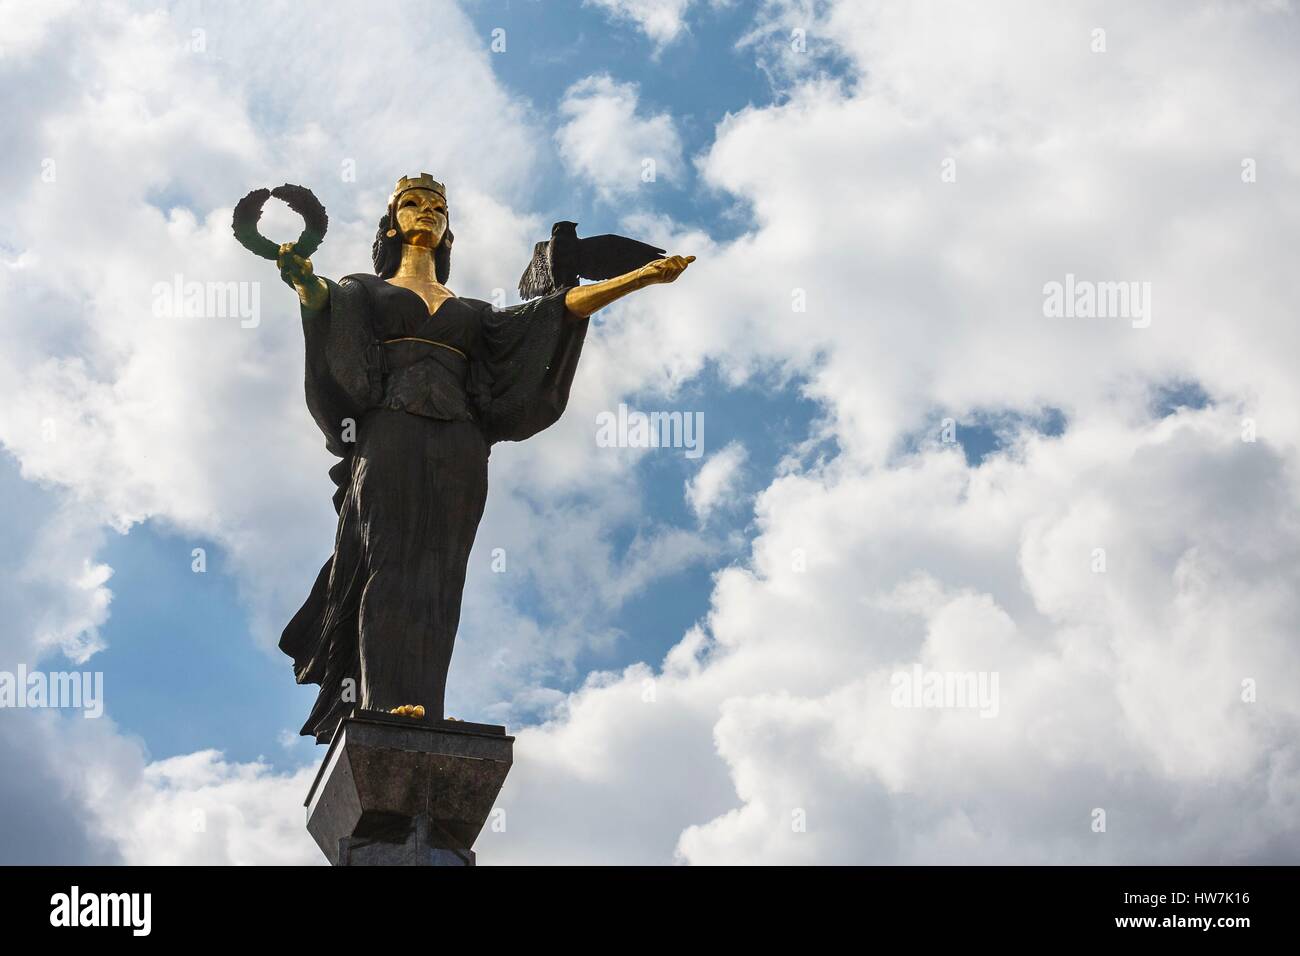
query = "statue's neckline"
{"x": 420, "y": 298}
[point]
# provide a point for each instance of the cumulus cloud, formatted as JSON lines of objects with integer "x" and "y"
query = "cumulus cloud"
{"x": 606, "y": 142}
{"x": 1120, "y": 690}
{"x": 660, "y": 20}
{"x": 104, "y": 799}
{"x": 716, "y": 481}
{"x": 1130, "y": 690}
{"x": 200, "y": 809}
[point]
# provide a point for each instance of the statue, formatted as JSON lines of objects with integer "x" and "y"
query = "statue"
{"x": 411, "y": 385}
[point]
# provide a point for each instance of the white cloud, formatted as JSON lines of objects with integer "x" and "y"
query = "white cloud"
{"x": 63, "y": 593}
{"x": 605, "y": 141}
{"x": 200, "y": 809}
{"x": 660, "y": 20}
{"x": 1120, "y": 690}
{"x": 717, "y": 480}
{"x": 194, "y": 809}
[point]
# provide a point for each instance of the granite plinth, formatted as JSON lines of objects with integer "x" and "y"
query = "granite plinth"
{"x": 397, "y": 791}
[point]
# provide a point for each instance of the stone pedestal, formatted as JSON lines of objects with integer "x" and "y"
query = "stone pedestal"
{"x": 397, "y": 791}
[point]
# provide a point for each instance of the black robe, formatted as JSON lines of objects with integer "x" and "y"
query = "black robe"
{"x": 412, "y": 424}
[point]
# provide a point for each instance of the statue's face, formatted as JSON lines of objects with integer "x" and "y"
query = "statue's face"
{"x": 421, "y": 217}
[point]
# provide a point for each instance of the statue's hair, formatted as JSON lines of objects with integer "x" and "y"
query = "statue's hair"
{"x": 386, "y": 253}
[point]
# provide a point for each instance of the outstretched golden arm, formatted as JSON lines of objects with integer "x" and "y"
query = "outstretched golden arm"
{"x": 583, "y": 300}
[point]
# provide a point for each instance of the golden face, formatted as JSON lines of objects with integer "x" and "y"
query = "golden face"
{"x": 421, "y": 217}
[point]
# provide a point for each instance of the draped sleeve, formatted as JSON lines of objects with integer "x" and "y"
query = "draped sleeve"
{"x": 523, "y": 365}
{"x": 341, "y": 384}
{"x": 341, "y": 379}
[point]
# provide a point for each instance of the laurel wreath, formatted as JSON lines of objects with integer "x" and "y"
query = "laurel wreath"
{"x": 298, "y": 198}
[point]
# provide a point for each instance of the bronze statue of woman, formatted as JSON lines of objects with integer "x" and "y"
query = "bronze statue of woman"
{"x": 412, "y": 385}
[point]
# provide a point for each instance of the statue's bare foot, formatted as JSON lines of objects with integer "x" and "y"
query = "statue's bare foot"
{"x": 409, "y": 710}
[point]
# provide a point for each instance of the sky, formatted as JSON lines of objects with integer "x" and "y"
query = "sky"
{"x": 912, "y": 463}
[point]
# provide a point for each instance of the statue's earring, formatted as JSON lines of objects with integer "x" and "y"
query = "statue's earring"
{"x": 391, "y": 233}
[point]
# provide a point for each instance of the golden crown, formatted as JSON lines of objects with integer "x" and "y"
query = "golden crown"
{"x": 422, "y": 181}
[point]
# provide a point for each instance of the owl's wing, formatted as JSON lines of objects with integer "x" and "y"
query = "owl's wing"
{"x": 537, "y": 279}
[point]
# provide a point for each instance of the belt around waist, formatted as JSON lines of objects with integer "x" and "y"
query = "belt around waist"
{"x": 441, "y": 345}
